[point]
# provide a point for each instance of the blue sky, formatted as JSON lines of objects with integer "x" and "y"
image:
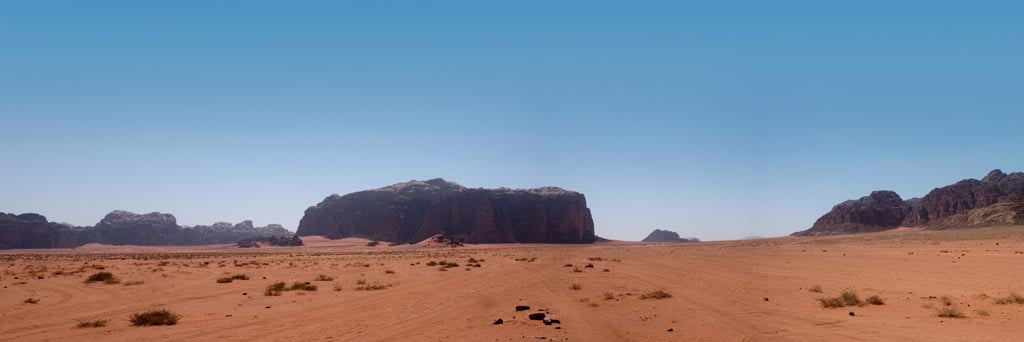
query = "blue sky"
{"x": 716, "y": 119}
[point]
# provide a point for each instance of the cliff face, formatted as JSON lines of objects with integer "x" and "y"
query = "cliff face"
{"x": 124, "y": 228}
{"x": 964, "y": 196}
{"x": 951, "y": 206}
{"x": 33, "y": 231}
{"x": 416, "y": 210}
{"x": 1007, "y": 212}
{"x": 881, "y": 210}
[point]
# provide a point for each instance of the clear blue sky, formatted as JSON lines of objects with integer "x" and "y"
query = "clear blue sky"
{"x": 716, "y": 119}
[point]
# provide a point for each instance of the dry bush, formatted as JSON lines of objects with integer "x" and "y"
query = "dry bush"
{"x": 304, "y": 286}
{"x": 154, "y": 317}
{"x": 372, "y": 287}
{"x": 134, "y": 282}
{"x": 815, "y": 289}
{"x": 1013, "y": 298}
{"x": 105, "y": 277}
{"x": 576, "y": 286}
{"x": 274, "y": 289}
{"x": 950, "y": 312}
{"x": 659, "y": 294}
{"x": 324, "y": 277}
{"x": 32, "y": 301}
{"x": 93, "y": 324}
{"x": 847, "y": 298}
{"x": 875, "y": 300}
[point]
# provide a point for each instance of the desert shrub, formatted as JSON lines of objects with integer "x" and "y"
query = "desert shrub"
{"x": 223, "y": 280}
{"x": 659, "y": 294}
{"x": 361, "y": 282}
{"x": 324, "y": 277}
{"x": 93, "y": 324}
{"x": 274, "y": 289}
{"x": 105, "y": 277}
{"x": 32, "y": 301}
{"x": 576, "y": 286}
{"x": 389, "y": 272}
{"x": 154, "y": 317}
{"x": 1013, "y": 298}
{"x": 815, "y": 289}
{"x": 304, "y": 286}
{"x": 847, "y": 298}
{"x": 372, "y": 287}
{"x": 983, "y": 312}
{"x": 589, "y": 265}
{"x": 609, "y": 296}
{"x": 472, "y": 260}
{"x": 432, "y": 263}
{"x": 874, "y": 300}
{"x": 372, "y": 243}
{"x": 134, "y": 282}
{"x": 946, "y": 300}
{"x": 567, "y": 265}
{"x": 950, "y": 312}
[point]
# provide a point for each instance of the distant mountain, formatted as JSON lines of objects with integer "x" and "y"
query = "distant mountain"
{"x": 124, "y": 228}
{"x": 953, "y": 206}
{"x": 413, "y": 211}
{"x": 659, "y": 235}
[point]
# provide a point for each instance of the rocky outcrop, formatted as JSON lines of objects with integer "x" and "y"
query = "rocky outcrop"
{"x": 33, "y": 231}
{"x": 966, "y": 203}
{"x": 659, "y": 235}
{"x": 964, "y": 196}
{"x": 881, "y": 210}
{"x": 124, "y": 228}
{"x": 1007, "y": 212}
{"x": 415, "y": 210}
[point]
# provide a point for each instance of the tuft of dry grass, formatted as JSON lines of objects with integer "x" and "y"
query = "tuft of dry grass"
{"x": 303, "y": 286}
{"x": 240, "y": 276}
{"x": 134, "y": 282}
{"x": 93, "y": 324}
{"x": 576, "y": 287}
{"x": 372, "y": 287}
{"x": 815, "y": 289}
{"x": 274, "y": 289}
{"x": 324, "y": 277}
{"x": 105, "y": 277}
{"x": 659, "y": 294}
{"x": 847, "y": 298}
{"x": 950, "y": 312}
{"x": 875, "y": 300}
{"x": 31, "y": 301}
{"x": 1013, "y": 298}
{"x": 154, "y": 317}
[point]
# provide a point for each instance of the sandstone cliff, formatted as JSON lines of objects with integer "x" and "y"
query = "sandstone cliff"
{"x": 416, "y": 210}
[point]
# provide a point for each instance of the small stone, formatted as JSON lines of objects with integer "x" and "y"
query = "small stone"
{"x": 245, "y": 293}
{"x": 671, "y": 329}
{"x": 537, "y": 316}
{"x": 498, "y": 321}
{"x": 852, "y": 314}
{"x": 522, "y": 307}
{"x": 766, "y": 299}
{"x": 268, "y": 306}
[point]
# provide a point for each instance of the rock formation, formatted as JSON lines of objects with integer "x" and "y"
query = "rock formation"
{"x": 124, "y": 228}
{"x": 964, "y": 196}
{"x": 659, "y": 235}
{"x": 413, "y": 211}
{"x": 881, "y": 210}
{"x": 1007, "y": 212}
{"x": 967, "y": 203}
{"x": 33, "y": 231}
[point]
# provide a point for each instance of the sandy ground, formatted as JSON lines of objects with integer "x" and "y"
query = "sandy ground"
{"x": 753, "y": 290}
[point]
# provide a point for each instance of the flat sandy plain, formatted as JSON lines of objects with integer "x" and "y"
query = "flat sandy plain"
{"x": 751, "y": 290}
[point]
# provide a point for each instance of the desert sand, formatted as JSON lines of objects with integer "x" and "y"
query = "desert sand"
{"x": 749, "y": 290}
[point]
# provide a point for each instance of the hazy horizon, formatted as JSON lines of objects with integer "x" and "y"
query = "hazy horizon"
{"x": 712, "y": 120}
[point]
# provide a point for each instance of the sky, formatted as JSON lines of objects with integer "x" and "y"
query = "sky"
{"x": 714, "y": 119}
